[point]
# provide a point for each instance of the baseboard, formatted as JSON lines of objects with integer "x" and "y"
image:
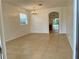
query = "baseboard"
{"x": 15, "y": 37}
{"x": 69, "y": 42}
{"x": 40, "y": 33}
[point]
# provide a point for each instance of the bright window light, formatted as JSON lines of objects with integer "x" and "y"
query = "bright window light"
{"x": 23, "y": 19}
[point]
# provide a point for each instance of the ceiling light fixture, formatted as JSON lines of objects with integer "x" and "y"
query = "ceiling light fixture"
{"x": 36, "y": 8}
{"x": 34, "y": 12}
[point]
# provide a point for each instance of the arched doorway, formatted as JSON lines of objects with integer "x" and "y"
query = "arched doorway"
{"x": 53, "y": 22}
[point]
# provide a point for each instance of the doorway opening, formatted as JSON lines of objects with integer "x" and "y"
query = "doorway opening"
{"x": 53, "y": 22}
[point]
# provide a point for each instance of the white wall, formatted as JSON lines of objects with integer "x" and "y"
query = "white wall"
{"x": 70, "y": 23}
{"x": 12, "y": 27}
{"x": 63, "y": 20}
{"x": 40, "y": 22}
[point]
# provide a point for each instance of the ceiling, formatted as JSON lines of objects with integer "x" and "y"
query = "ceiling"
{"x": 29, "y": 4}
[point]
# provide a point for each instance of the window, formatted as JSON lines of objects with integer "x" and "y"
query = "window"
{"x": 56, "y": 24}
{"x": 56, "y": 21}
{"x": 23, "y": 19}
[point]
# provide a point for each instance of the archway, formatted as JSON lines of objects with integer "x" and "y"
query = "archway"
{"x": 54, "y": 22}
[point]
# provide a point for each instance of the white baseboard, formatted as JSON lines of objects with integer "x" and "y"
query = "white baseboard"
{"x": 40, "y": 33}
{"x": 14, "y": 37}
{"x": 69, "y": 38}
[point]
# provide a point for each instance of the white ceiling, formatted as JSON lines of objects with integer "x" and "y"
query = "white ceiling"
{"x": 28, "y": 4}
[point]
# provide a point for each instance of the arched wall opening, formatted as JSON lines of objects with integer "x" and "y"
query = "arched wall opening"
{"x": 53, "y": 22}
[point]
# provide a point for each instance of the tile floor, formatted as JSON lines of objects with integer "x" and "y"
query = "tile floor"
{"x": 39, "y": 46}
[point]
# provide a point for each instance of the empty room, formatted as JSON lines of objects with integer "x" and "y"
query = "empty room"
{"x": 38, "y": 29}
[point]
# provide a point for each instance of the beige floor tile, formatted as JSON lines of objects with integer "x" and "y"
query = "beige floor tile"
{"x": 39, "y": 46}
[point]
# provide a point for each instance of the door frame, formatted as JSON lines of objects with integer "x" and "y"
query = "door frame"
{"x": 2, "y": 36}
{"x": 77, "y": 32}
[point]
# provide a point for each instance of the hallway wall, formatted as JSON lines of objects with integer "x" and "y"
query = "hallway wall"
{"x": 12, "y": 26}
{"x": 40, "y": 22}
{"x": 70, "y": 23}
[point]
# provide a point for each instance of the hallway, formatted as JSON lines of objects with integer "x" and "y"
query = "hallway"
{"x": 39, "y": 46}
